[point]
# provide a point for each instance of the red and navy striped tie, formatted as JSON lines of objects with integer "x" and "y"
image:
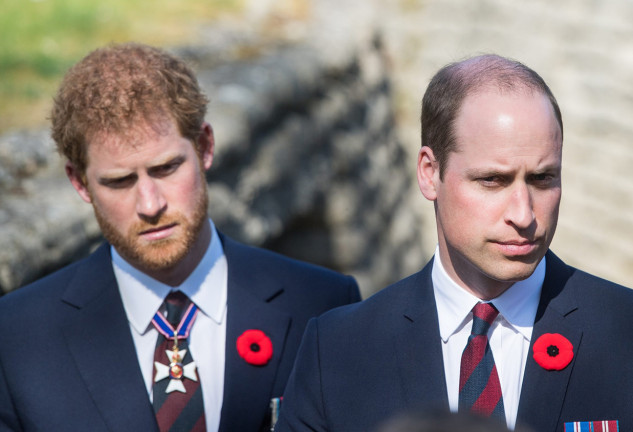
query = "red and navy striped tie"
{"x": 479, "y": 387}
{"x": 177, "y": 411}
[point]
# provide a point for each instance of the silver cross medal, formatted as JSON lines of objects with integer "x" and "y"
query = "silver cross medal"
{"x": 176, "y": 370}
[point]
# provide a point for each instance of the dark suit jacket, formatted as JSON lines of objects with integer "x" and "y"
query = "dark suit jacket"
{"x": 68, "y": 362}
{"x": 361, "y": 364}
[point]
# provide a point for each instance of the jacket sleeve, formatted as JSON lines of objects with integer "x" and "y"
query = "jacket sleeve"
{"x": 8, "y": 417}
{"x": 302, "y": 406}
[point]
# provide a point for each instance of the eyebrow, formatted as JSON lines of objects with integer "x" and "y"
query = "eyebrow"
{"x": 179, "y": 158}
{"x": 115, "y": 177}
{"x": 493, "y": 171}
{"x": 487, "y": 172}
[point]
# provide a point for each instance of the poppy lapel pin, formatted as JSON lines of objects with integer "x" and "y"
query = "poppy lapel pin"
{"x": 553, "y": 351}
{"x": 255, "y": 347}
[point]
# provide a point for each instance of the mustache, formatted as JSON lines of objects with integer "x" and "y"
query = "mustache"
{"x": 163, "y": 221}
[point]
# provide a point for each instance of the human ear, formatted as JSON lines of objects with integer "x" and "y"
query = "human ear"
{"x": 428, "y": 173}
{"x": 78, "y": 180}
{"x": 206, "y": 144}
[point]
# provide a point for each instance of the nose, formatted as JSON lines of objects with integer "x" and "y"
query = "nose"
{"x": 150, "y": 201}
{"x": 520, "y": 210}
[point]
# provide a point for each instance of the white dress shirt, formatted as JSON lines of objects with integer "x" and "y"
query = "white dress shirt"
{"x": 509, "y": 334}
{"x": 207, "y": 288}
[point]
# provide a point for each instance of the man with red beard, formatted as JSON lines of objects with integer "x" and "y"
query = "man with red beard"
{"x": 170, "y": 325}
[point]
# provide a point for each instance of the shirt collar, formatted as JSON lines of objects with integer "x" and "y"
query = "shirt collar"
{"x": 517, "y": 305}
{"x": 206, "y": 286}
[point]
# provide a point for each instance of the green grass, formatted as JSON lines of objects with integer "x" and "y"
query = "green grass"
{"x": 41, "y": 39}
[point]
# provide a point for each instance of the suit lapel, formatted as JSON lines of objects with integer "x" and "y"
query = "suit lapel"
{"x": 418, "y": 344}
{"x": 543, "y": 392}
{"x": 99, "y": 339}
{"x": 246, "y": 385}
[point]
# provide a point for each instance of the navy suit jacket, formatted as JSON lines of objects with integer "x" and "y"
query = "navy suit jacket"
{"x": 361, "y": 364}
{"x": 68, "y": 362}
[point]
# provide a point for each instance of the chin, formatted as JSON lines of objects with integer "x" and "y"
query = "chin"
{"x": 162, "y": 259}
{"x": 517, "y": 273}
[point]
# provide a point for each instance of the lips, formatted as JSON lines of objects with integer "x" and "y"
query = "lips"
{"x": 158, "y": 233}
{"x": 517, "y": 242}
{"x": 160, "y": 228}
{"x": 518, "y": 247}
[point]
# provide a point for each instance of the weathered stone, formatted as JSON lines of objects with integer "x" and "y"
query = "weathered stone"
{"x": 22, "y": 154}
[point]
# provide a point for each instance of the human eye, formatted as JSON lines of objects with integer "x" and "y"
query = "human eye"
{"x": 543, "y": 180}
{"x": 118, "y": 182}
{"x": 492, "y": 181}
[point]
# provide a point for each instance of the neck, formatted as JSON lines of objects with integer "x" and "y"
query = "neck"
{"x": 487, "y": 292}
{"x": 471, "y": 279}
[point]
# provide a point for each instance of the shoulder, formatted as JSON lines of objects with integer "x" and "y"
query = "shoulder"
{"x": 259, "y": 267}
{"x": 411, "y": 296}
{"x": 263, "y": 261}
{"x": 601, "y": 297}
{"x": 585, "y": 287}
{"x": 41, "y": 295}
{"x": 587, "y": 300}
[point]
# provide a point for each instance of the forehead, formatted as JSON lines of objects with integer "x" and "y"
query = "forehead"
{"x": 506, "y": 120}
{"x": 142, "y": 144}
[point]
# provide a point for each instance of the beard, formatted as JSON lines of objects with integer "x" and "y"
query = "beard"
{"x": 161, "y": 254}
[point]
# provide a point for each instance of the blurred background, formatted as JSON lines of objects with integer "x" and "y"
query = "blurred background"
{"x": 315, "y": 107}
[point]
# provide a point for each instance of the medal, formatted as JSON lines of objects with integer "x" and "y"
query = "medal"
{"x": 176, "y": 371}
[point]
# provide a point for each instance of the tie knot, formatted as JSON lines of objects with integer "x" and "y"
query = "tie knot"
{"x": 483, "y": 316}
{"x": 175, "y": 304}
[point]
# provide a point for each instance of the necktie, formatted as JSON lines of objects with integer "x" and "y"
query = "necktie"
{"x": 177, "y": 395}
{"x": 479, "y": 387}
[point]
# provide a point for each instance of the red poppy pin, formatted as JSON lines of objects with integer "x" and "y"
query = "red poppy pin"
{"x": 255, "y": 347}
{"x": 553, "y": 351}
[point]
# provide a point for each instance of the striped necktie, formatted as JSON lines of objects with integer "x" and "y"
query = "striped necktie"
{"x": 479, "y": 387}
{"x": 177, "y": 395}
